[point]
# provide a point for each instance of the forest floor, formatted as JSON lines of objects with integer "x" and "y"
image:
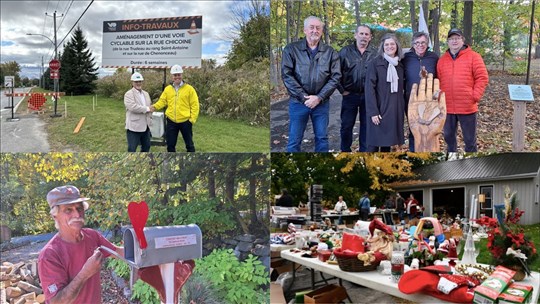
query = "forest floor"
{"x": 495, "y": 117}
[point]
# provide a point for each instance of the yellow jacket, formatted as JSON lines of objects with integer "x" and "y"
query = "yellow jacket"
{"x": 181, "y": 105}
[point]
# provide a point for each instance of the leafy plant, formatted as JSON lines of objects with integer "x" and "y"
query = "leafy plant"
{"x": 199, "y": 290}
{"x": 235, "y": 281}
{"x": 144, "y": 293}
{"x": 519, "y": 67}
{"x": 120, "y": 267}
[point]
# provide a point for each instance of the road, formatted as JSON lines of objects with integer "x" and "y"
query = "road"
{"x": 6, "y": 101}
{"x": 27, "y": 134}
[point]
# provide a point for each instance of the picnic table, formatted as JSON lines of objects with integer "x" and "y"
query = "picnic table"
{"x": 375, "y": 280}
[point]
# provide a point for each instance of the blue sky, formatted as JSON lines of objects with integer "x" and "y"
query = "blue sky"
{"x": 21, "y": 17}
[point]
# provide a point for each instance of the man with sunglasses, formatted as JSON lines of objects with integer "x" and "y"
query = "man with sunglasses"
{"x": 464, "y": 78}
{"x": 414, "y": 61}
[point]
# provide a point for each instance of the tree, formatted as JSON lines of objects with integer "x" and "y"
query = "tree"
{"x": 78, "y": 73}
{"x": 10, "y": 68}
{"x": 235, "y": 203}
{"x": 252, "y": 43}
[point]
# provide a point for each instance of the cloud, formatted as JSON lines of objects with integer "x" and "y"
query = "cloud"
{"x": 21, "y": 17}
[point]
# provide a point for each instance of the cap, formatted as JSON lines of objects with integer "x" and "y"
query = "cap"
{"x": 66, "y": 195}
{"x": 455, "y": 31}
{"x": 137, "y": 77}
{"x": 176, "y": 69}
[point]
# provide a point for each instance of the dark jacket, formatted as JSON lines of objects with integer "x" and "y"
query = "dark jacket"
{"x": 379, "y": 101}
{"x": 411, "y": 65}
{"x": 354, "y": 67}
{"x": 304, "y": 76}
{"x": 285, "y": 201}
{"x": 400, "y": 204}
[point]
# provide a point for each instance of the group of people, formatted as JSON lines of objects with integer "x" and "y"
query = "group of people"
{"x": 409, "y": 206}
{"x": 182, "y": 110}
{"x": 376, "y": 84}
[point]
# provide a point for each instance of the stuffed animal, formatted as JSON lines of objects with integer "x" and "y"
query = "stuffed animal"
{"x": 381, "y": 243}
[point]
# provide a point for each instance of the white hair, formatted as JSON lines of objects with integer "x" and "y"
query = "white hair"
{"x": 308, "y": 19}
{"x": 53, "y": 213}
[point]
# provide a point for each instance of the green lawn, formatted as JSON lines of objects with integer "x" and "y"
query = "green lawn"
{"x": 103, "y": 129}
{"x": 532, "y": 231}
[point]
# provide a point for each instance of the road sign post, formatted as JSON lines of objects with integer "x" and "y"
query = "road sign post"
{"x": 54, "y": 66}
{"x": 9, "y": 82}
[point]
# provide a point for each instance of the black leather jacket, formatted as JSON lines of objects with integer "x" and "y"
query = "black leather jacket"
{"x": 303, "y": 76}
{"x": 353, "y": 68}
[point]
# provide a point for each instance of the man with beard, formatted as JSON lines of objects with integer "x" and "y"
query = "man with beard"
{"x": 310, "y": 72}
{"x": 69, "y": 265}
{"x": 354, "y": 60}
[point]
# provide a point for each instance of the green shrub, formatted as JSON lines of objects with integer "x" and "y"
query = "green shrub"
{"x": 242, "y": 94}
{"x": 120, "y": 267}
{"x": 144, "y": 293}
{"x": 235, "y": 281}
{"x": 519, "y": 67}
{"x": 204, "y": 213}
{"x": 199, "y": 290}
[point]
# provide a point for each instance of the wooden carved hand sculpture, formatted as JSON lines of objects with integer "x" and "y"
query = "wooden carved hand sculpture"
{"x": 427, "y": 114}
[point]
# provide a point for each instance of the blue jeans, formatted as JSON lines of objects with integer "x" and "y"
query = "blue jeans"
{"x": 171, "y": 135}
{"x": 299, "y": 115}
{"x": 136, "y": 138}
{"x": 350, "y": 105}
{"x": 468, "y": 128}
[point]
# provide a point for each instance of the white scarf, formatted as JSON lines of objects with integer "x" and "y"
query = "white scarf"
{"x": 391, "y": 73}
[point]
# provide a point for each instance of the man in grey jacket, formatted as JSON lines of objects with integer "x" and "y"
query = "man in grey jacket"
{"x": 310, "y": 72}
{"x": 138, "y": 115}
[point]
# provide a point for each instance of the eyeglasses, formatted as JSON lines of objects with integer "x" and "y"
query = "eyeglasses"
{"x": 454, "y": 39}
{"x": 418, "y": 43}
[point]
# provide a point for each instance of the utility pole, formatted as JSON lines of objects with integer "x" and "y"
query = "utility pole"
{"x": 41, "y": 80}
{"x": 56, "y": 82}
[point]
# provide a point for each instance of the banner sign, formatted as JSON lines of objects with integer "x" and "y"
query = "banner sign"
{"x": 152, "y": 43}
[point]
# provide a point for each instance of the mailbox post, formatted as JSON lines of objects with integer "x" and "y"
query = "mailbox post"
{"x": 161, "y": 264}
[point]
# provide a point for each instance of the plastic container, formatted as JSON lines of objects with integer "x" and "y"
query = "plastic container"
{"x": 324, "y": 255}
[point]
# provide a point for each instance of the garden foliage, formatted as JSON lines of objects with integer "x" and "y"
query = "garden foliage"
{"x": 235, "y": 281}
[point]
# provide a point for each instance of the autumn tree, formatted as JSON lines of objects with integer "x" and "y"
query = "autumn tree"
{"x": 179, "y": 189}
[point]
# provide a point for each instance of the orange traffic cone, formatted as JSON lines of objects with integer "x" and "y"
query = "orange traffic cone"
{"x": 193, "y": 28}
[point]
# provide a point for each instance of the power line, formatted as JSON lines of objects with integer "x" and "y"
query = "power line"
{"x": 76, "y": 22}
{"x": 65, "y": 15}
{"x": 45, "y": 19}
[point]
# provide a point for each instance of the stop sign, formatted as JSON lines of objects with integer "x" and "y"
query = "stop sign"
{"x": 54, "y": 65}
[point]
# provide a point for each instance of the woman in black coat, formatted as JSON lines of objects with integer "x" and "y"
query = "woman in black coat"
{"x": 385, "y": 104}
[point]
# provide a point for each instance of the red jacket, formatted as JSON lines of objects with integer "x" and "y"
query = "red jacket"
{"x": 463, "y": 80}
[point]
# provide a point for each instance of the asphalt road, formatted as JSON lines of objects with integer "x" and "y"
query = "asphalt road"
{"x": 26, "y": 133}
{"x": 279, "y": 126}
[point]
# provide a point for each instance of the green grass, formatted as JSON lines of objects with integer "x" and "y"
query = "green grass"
{"x": 532, "y": 231}
{"x": 103, "y": 129}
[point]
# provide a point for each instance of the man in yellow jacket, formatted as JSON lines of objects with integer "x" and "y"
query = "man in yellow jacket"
{"x": 182, "y": 111}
